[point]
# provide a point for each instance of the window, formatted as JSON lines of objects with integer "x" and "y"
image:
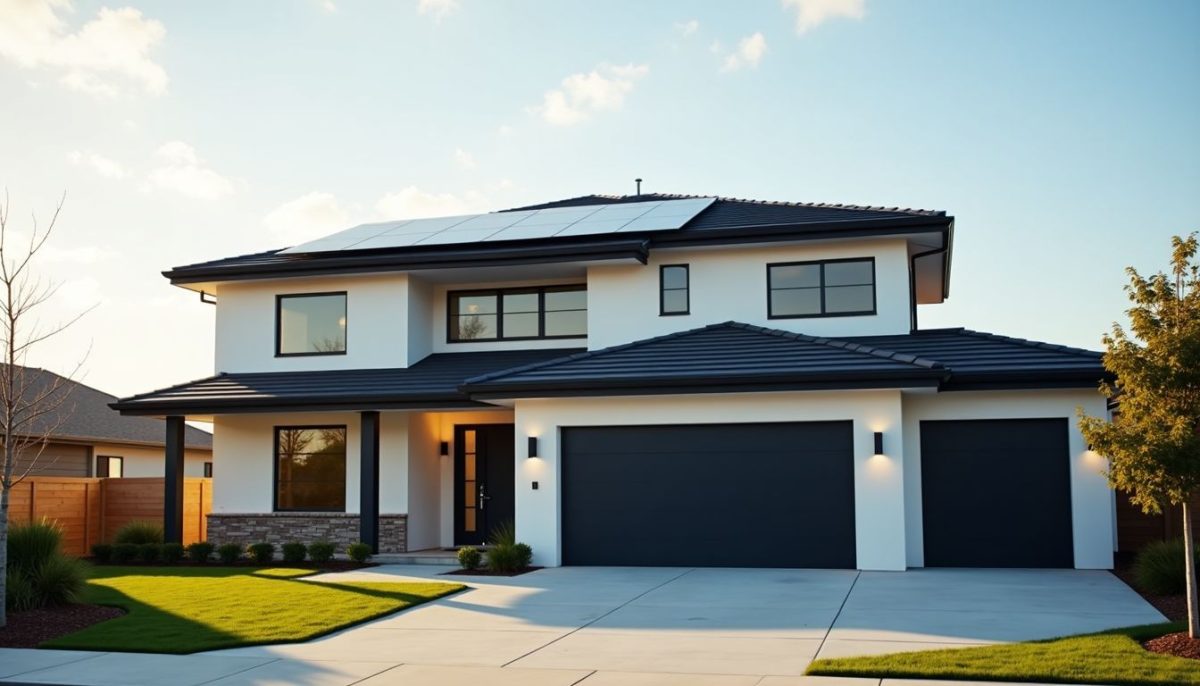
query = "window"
{"x": 821, "y": 289}
{"x": 109, "y": 466}
{"x": 310, "y": 468}
{"x": 517, "y": 313}
{"x": 207, "y": 470}
{"x": 310, "y": 324}
{"x": 673, "y": 289}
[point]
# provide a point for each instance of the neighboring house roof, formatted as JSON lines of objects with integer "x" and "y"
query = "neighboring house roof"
{"x": 83, "y": 414}
{"x": 432, "y": 382}
{"x": 724, "y": 221}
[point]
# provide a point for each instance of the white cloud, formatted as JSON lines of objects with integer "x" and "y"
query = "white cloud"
{"x": 413, "y": 203}
{"x": 307, "y": 217}
{"x": 329, "y": 6}
{"x": 603, "y": 88}
{"x": 749, "y": 53}
{"x": 812, "y": 13}
{"x": 464, "y": 159}
{"x": 438, "y": 9}
{"x": 105, "y": 56}
{"x": 184, "y": 172}
{"x": 100, "y": 164}
{"x": 687, "y": 28}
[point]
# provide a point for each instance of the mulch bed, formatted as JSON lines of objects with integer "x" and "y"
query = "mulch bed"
{"x": 1179, "y": 645}
{"x": 1174, "y": 607}
{"x": 331, "y": 566}
{"x": 488, "y": 572}
{"x": 30, "y": 628}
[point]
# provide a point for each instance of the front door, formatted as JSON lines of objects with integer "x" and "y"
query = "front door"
{"x": 484, "y": 457}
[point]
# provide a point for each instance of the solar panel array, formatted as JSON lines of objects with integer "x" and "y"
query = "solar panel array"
{"x": 656, "y": 215}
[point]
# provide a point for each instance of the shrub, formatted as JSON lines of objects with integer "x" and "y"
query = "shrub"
{"x": 31, "y": 544}
{"x": 1159, "y": 568}
{"x": 229, "y": 553}
{"x": 200, "y": 551}
{"x": 321, "y": 551}
{"x": 504, "y": 533}
{"x": 149, "y": 552}
{"x": 124, "y": 552}
{"x": 261, "y": 553}
{"x": 503, "y": 558}
{"x": 294, "y": 552}
{"x": 102, "y": 552}
{"x": 39, "y": 574}
{"x": 139, "y": 533}
{"x": 469, "y": 557}
{"x": 59, "y": 581}
{"x": 524, "y": 555}
{"x": 171, "y": 552}
{"x": 359, "y": 552}
{"x": 18, "y": 592}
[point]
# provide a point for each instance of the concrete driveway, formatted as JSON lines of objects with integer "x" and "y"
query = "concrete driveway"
{"x": 635, "y": 626}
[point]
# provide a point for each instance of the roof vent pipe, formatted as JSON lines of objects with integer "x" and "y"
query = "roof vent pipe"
{"x": 639, "y": 186}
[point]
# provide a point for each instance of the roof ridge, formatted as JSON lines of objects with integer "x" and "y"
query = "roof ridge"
{"x": 846, "y": 345}
{"x": 1030, "y": 343}
{"x": 650, "y": 197}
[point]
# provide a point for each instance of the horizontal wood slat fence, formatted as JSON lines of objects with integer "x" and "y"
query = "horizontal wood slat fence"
{"x": 91, "y": 510}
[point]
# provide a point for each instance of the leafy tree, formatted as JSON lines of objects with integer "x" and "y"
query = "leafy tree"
{"x": 1153, "y": 445}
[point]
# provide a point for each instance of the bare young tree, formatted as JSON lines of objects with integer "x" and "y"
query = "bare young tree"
{"x": 33, "y": 403}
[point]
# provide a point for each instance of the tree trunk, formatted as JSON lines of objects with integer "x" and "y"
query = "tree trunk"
{"x": 3, "y": 556}
{"x": 1189, "y": 565}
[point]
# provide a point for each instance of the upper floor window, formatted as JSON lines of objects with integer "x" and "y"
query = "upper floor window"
{"x": 673, "y": 283}
{"x": 310, "y": 324}
{"x": 310, "y": 468}
{"x": 821, "y": 289}
{"x": 517, "y": 314}
{"x": 109, "y": 466}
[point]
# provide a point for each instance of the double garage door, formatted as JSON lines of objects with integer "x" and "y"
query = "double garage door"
{"x": 995, "y": 493}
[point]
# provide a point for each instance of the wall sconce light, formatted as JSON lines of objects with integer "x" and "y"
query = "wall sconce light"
{"x": 878, "y": 442}
{"x": 444, "y": 448}
{"x": 533, "y": 447}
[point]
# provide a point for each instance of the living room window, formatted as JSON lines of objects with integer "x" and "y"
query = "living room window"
{"x": 830, "y": 288}
{"x": 109, "y": 466}
{"x": 673, "y": 289}
{"x": 310, "y": 468}
{"x": 310, "y": 324}
{"x": 507, "y": 314}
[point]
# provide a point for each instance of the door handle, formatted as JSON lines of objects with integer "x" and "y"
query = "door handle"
{"x": 483, "y": 496}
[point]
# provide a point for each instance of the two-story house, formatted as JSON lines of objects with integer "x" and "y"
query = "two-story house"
{"x": 639, "y": 380}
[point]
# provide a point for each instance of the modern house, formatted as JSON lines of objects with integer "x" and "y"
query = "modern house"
{"x": 86, "y": 437}
{"x": 639, "y": 380}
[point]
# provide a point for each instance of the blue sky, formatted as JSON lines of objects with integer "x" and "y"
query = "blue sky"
{"x": 1061, "y": 135}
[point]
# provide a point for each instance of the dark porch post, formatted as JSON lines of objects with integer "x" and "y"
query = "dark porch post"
{"x": 173, "y": 482}
{"x": 368, "y": 471}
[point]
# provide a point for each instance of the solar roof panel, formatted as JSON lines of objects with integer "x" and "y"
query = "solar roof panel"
{"x": 654, "y": 215}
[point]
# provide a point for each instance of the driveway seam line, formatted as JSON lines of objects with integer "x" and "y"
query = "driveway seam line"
{"x": 240, "y": 671}
{"x": 381, "y": 672}
{"x": 627, "y": 602}
{"x": 61, "y": 664}
{"x": 857, "y": 576}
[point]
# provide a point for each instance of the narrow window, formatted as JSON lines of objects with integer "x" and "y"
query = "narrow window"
{"x": 207, "y": 470}
{"x": 821, "y": 289}
{"x": 310, "y": 324}
{"x": 109, "y": 466}
{"x": 310, "y": 468}
{"x": 517, "y": 314}
{"x": 673, "y": 289}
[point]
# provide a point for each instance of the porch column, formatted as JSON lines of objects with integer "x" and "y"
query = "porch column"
{"x": 173, "y": 482}
{"x": 368, "y": 470}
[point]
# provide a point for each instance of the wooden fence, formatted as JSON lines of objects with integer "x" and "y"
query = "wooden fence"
{"x": 91, "y": 510}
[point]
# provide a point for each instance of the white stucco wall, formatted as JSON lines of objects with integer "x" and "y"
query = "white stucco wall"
{"x": 376, "y": 324}
{"x": 730, "y": 283}
{"x": 878, "y": 481}
{"x": 144, "y": 461}
{"x": 1092, "y": 506}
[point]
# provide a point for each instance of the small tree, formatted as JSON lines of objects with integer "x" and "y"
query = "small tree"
{"x": 33, "y": 404}
{"x": 1153, "y": 447}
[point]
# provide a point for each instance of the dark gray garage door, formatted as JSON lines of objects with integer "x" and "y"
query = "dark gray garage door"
{"x": 717, "y": 495}
{"x": 996, "y": 493}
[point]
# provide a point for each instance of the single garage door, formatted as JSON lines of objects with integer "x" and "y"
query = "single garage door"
{"x": 713, "y": 495}
{"x": 996, "y": 493}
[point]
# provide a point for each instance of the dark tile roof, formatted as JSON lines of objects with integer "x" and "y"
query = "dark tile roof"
{"x": 727, "y": 357}
{"x": 83, "y": 414}
{"x": 432, "y": 382}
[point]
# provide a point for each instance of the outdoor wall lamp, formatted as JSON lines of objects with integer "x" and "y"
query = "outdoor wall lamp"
{"x": 878, "y": 442}
{"x": 533, "y": 448}
{"x": 444, "y": 448}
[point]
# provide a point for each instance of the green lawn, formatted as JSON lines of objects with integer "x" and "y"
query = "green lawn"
{"x": 1110, "y": 657}
{"x": 188, "y": 609}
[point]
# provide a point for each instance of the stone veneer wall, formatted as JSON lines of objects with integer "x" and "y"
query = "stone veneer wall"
{"x": 340, "y": 528}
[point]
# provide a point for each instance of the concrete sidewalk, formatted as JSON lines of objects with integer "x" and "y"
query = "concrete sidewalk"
{"x": 638, "y": 626}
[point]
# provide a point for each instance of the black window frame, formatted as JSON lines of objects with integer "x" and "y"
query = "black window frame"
{"x": 821, "y": 263}
{"x": 499, "y": 293}
{"x": 208, "y": 470}
{"x": 104, "y": 459}
{"x": 275, "y": 466}
{"x": 662, "y": 290}
{"x": 279, "y": 298}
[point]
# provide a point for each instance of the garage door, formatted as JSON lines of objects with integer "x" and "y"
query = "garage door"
{"x": 727, "y": 495}
{"x": 996, "y": 493}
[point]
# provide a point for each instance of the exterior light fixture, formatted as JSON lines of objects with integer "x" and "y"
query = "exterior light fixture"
{"x": 878, "y": 442}
{"x": 444, "y": 448}
{"x": 533, "y": 448}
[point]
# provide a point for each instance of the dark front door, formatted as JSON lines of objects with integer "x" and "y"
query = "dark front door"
{"x": 484, "y": 457}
